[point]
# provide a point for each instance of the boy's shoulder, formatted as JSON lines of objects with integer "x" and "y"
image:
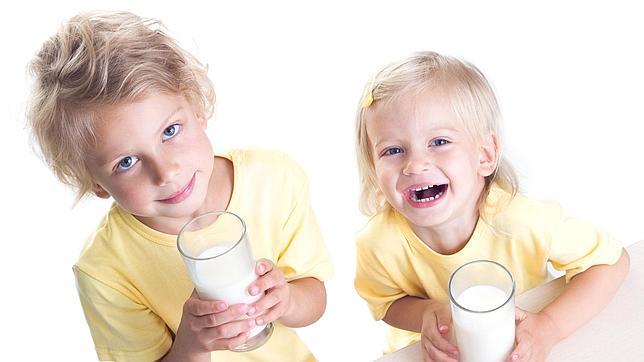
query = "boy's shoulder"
{"x": 257, "y": 162}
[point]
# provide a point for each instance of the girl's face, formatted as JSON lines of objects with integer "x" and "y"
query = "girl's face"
{"x": 427, "y": 165}
{"x": 153, "y": 157}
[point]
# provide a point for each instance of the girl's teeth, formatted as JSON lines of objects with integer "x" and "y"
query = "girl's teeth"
{"x": 431, "y": 198}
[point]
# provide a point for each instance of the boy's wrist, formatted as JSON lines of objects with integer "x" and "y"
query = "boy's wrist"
{"x": 551, "y": 332}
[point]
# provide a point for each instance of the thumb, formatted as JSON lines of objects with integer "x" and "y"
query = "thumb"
{"x": 443, "y": 319}
{"x": 519, "y": 314}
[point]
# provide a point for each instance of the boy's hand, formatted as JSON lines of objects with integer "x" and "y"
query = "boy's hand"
{"x": 275, "y": 303}
{"x": 535, "y": 335}
{"x": 437, "y": 321}
{"x": 210, "y": 325}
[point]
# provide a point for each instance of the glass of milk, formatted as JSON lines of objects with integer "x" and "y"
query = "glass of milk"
{"x": 221, "y": 265}
{"x": 481, "y": 295}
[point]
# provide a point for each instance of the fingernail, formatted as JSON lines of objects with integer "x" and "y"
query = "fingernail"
{"x": 254, "y": 290}
{"x": 251, "y": 323}
{"x": 515, "y": 357}
{"x": 260, "y": 321}
{"x": 260, "y": 268}
{"x": 251, "y": 311}
{"x": 221, "y": 306}
{"x": 442, "y": 329}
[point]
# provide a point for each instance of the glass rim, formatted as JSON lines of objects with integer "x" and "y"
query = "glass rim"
{"x": 210, "y": 213}
{"x": 451, "y": 278}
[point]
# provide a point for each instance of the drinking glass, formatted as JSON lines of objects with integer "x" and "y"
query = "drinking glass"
{"x": 481, "y": 295}
{"x": 215, "y": 249}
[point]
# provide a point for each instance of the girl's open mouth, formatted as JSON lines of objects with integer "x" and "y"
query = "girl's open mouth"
{"x": 427, "y": 193}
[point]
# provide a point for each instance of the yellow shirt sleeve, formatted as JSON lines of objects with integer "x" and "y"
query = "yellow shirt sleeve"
{"x": 122, "y": 329}
{"x": 303, "y": 252}
{"x": 578, "y": 244}
{"x": 374, "y": 285}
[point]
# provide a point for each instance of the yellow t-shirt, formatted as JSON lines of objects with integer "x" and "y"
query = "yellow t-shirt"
{"x": 132, "y": 281}
{"x": 520, "y": 233}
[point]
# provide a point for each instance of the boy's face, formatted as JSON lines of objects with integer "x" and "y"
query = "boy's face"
{"x": 427, "y": 165}
{"x": 153, "y": 157}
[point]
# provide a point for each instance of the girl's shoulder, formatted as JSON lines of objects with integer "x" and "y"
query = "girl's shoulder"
{"x": 503, "y": 209}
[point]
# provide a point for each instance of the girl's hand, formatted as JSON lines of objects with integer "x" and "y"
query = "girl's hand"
{"x": 275, "y": 303}
{"x": 435, "y": 332}
{"x": 535, "y": 335}
{"x": 210, "y": 325}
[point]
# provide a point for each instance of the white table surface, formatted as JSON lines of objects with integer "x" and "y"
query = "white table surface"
{"x": 615, "y": 334}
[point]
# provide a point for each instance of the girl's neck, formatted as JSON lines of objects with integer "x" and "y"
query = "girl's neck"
{"x": 451, "y": 237}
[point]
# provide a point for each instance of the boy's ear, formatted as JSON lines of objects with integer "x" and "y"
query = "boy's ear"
{"x": 489, "y": 154}
{"x": 100, "y": 192}
{"x": 202, "y": 120}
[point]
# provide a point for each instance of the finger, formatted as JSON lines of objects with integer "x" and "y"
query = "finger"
{"x": 521, "y": 351}
{"x": 230, "y": 343}
{"x": 520, "y": 315}
{"x": 435, "y": 354}
{"x": 229, "y": 330}
{"x": 437, "y": 340}
{"x": 272, "y": 279}
{"x": 443, "y": 320}
{"x": 199, "y": 307}
{"x": 263, "y": 266}
{"x": 269, "y": 300}
{"x": 235, "y": 312}
{"x": 271, "y": 315}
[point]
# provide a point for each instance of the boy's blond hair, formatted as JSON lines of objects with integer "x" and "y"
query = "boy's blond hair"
{"x": 99, "y": 59}
{"x": 472, "y": 100}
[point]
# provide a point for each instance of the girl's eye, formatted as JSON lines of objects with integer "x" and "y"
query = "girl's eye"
{"x": 392, "y": 151}
{"x": 438, "y": 142}
{"x": 126, "y": 163}
{"x": 171, "y": 131}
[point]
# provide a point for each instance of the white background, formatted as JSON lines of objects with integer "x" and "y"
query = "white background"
{"x": 289, "y": 76}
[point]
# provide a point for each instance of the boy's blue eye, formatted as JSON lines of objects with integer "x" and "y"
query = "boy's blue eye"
{"x": 438, "y": 142}
{"x": 171, "y": 131}
{"x": 392, "y": 151}
{"x": 126, "y": 163}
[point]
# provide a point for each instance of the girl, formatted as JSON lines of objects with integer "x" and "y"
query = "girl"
{"x": 439, "y": 194}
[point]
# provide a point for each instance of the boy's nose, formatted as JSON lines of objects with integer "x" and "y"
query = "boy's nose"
{"x": 165, "y": 172}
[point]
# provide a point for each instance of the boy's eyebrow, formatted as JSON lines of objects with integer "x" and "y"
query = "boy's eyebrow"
{"x": 111, "y": 159}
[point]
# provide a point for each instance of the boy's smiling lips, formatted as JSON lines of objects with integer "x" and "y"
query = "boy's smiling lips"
{"x": 182, "y": 194}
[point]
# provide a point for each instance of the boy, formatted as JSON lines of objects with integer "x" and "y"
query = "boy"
{"x": 120, "y": 110}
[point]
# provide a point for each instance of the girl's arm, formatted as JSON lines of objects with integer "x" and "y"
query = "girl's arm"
{"x": 583, "y": 298}
{"x": 586, "y": 295}
{"x": 431, "y": 319}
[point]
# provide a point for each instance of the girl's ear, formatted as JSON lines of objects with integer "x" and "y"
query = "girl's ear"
{"x": 489, "y": 154}
{"x": 100, "y": 192}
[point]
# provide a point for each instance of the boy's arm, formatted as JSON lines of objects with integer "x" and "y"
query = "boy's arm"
{"x": 306, "y": 304}
{"x": 585, "y": 296}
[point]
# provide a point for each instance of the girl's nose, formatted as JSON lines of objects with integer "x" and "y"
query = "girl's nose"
{"x": 416, "y": 165}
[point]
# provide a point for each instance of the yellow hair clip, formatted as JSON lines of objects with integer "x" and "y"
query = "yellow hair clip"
{"x": 367, "y": 99}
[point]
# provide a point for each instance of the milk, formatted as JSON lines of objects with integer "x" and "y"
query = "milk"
{"x": 224, "y": 278}
{"x": 484, "y": 337}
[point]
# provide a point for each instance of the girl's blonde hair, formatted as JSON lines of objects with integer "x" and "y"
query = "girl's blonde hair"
{"x": 472, "y": 100}
{"x": 100, "y": 59}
